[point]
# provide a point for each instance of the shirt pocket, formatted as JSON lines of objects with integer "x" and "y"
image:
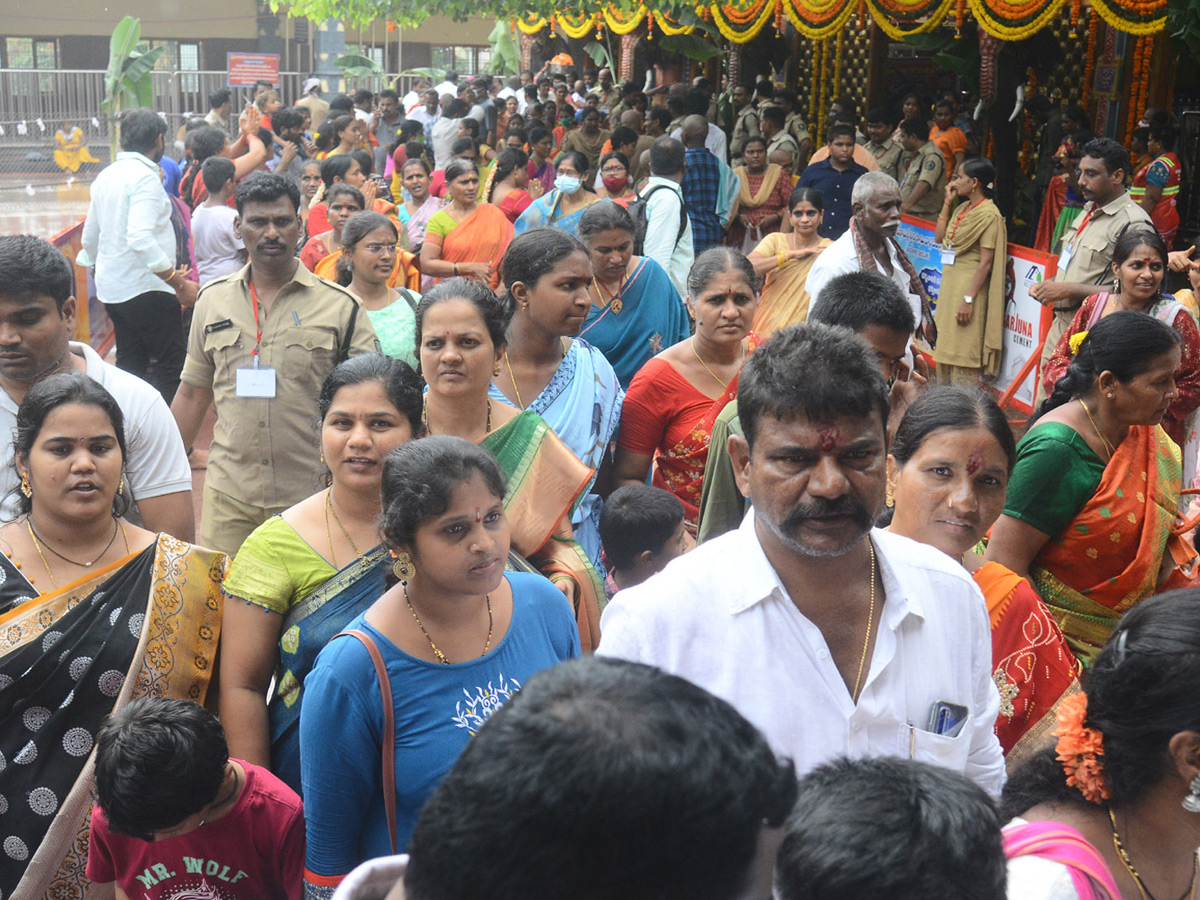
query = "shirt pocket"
{"x": 1094, "y": 254}
{"x": 226, "y": 350}
{"x": 940, "y": 750}
{"x": 309, "y": 353}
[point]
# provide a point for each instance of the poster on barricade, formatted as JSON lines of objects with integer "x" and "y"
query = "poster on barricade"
{"x": 245, "y": 69}
{"x": 915, "y": 238}
{"x": 1025, "y": 323}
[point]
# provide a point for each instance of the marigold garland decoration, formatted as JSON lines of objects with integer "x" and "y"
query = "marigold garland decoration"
{"x": 1076, "y": 342}
{"x": 1081, "y": 749}
{"x": 1089, "y": 62}
{"x": 837, "y": 65}
{"x": 740, "y": 21}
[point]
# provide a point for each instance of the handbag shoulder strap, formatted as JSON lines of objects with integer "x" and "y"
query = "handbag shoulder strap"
{"x": 344, "y": 350}
{"x": 388, "y": 753}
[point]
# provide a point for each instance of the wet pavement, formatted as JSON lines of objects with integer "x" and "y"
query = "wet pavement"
{"x": 42, "y": 210}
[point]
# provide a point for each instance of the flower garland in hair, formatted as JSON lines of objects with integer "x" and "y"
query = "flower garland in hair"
{"x": 1076, "y": 342}
{"x": 1081, "y": 749}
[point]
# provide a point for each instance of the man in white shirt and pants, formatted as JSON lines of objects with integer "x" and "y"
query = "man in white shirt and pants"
{"x": 129, "y": 238}
{"x": 834, "y": 638}
{"x": 666, "y": 213}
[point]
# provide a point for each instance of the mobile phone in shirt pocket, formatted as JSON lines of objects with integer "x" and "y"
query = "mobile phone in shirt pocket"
{"x": 938, "y": 749}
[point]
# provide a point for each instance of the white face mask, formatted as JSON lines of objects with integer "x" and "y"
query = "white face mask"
{"x": 568, "y": 184}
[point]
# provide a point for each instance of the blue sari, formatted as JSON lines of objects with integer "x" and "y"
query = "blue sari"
{"x": 544, "y": 213}
{"x": 582, "y": 405}
{"x": 646, "y": 316}
{"x": 308, "y": 627}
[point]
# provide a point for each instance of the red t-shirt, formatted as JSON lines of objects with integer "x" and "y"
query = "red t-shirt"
{"x": 253, "y": 852}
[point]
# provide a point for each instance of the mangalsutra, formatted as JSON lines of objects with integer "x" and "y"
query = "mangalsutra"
{"x": 614, "y": 298}
{"x": 328, "y": 536}
{"x": 437, "y": 653}
{"x": 513, "y": 378}
{"x": 724, "y": 384}
{"x": 1100, "y": 434}
{"x": 118, "y": 526}
{"x": 1133, "y": 873}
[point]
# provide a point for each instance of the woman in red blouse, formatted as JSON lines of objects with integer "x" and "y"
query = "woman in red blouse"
{"x": 675, "y": 398}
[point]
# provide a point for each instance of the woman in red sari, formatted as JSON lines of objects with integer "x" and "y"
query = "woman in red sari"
{"x": 675, "y": 398}
{"x": 465, "y": 237}
{"x": 507, "y": 183}
{"x": 947, "y": 474}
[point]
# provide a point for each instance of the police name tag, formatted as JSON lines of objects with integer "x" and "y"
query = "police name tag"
{"x": 1064, "y": 258}
{"x": 947, "y": 257}
{"x": 256, "y": 383}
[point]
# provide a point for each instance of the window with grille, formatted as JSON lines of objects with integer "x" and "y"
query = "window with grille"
{"x": 465, "y": 60}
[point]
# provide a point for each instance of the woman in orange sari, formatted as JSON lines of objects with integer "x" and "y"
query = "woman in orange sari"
{"x": 1094, "y": 493}
{"x": 343, "y": 201}
{"x": 675, "y": 398}
{"x": 507, "y": 182}
{"x": 465, "y": 237}
{"x": 947, "y": 472}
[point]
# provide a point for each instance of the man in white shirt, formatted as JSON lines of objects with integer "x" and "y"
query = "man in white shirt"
{"x": 129, "y": 238}
{"x": 449, "y": 86}
{"x": 415, "y": 97}
{"x": 668, "y": 238}
{"x": 696, "y": 104}
{"x": 875, "y": 200}
{"x": 37, "y": 319}
{"x": 428, "y": 113}
{"x": 444, "y": 133}
{"x": 833, "y": 638}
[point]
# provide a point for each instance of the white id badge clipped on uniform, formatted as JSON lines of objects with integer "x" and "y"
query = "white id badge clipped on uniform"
{"x": 1064, "y": 258}
{"x": 256, "y": 383}
{"x": 947, "y": 257}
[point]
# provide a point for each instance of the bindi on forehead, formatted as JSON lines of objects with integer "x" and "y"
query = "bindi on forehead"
{"x": 478, "y": 515}
{"x": 828, "y": 436}
{"x": 975, "y": 461}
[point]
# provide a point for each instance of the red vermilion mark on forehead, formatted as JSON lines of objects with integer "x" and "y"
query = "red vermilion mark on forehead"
{"x": 975, "y": 461}
{"x": 478, "y": 514}
{"x": 829, "y": 435}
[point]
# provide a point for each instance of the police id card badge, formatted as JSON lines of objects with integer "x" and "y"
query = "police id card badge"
{"x": 255, "y": 381}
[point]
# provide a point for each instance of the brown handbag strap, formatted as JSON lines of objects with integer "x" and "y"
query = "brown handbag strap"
{"x": 388, "y": 753}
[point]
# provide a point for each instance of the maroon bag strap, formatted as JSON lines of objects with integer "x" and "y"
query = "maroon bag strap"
{"x": 388, "y": 753}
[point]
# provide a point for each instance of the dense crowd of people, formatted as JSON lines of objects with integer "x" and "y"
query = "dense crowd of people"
{"x": 597, "y": 505}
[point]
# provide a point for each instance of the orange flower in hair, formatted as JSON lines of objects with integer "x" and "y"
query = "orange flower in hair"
{"x": 1081, "y": 749}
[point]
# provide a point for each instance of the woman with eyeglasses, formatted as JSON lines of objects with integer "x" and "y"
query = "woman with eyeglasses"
{"x": 372, "y": 268}
{"x": 617, "y": 186}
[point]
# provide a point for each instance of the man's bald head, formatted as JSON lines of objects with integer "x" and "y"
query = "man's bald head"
{"x": 695, "y": 130}
{"x": 631, "y": 118}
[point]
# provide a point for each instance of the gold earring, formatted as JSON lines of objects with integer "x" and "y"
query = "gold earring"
{"x": 322, "y": 457}
{"x": 121, "y": 486}
{"x": 889, "y": 499}
{"x": 403, "y": 567}
{"x": 26, "y": 488}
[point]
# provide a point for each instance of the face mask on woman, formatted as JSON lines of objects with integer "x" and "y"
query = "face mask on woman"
{"x": 614, "y": 184}
{"x": 567, "y": 184}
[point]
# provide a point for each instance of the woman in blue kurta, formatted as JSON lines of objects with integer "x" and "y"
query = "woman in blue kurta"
{"x": 458, "y": 636}
{"x": 636, "y": 311}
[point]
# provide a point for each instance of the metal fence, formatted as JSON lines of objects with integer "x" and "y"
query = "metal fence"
{"x": 35, "y": 103}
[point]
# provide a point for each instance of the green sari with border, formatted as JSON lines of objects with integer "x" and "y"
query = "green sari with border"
{"x": 545, "y": 482}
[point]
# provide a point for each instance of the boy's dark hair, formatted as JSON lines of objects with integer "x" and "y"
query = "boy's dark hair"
{"x": 636, "y": 518}
{"x": 216, "y": 172}
{"x": 891, "y": 828}
{"x": 629, "y": 782}
{"x": 857, "y": 300}
{"x": 30, "y": 265}
{"x": 841, "y": 129}
{"x": 158, "y": 761}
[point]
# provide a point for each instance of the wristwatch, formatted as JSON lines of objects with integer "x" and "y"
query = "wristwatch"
{"x": 968, "y": 300}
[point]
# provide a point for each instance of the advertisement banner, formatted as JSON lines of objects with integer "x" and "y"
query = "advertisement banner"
{"x": 1025, "y": 322}
{"x": 915, "y": 238}
{"x": 247, "y": 68}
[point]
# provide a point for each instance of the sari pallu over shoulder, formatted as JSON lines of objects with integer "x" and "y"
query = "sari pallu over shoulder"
{"x": 1110, "y": 556}
{"x": 545, "y": 482}
{"x": 1032, "y": 666}
{"x": 1062, "y": 844}
{"x": 145, "y": 626}
{"x": 483, "y": 236}
{"x": 307, "y": 628}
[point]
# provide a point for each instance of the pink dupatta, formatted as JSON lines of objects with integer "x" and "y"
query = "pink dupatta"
{"x": 1063, "y": 844}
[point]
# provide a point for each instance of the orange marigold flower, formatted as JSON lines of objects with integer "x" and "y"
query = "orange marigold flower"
{"x": 1081, "y": 749}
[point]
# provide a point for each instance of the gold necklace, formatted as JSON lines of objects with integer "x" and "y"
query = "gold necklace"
{"x": 37, "y": 545}
{"x": 870, "y": 620}
{"x": 724, "y": 384}
{"x": 487, "y": 426}
{"x": 1100, "y": 434}
{"x": 614, "y": 299}
{"x": 513, "y": 378}
{"x": 1133, "y": 873}
{"x": 329, "y": 537}
{"x": 438, "y": 654}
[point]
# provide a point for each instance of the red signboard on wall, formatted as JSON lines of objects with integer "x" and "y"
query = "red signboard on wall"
{"x": 247, "y": 68}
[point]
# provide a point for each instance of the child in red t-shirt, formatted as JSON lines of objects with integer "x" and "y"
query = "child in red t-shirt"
{"x": 177, "y": 819}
